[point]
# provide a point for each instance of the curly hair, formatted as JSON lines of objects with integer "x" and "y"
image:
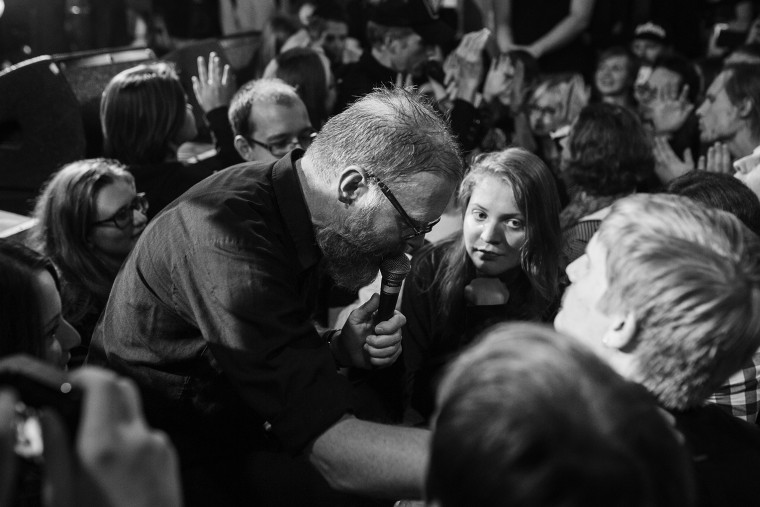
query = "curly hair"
{"x": 610, "y": 152}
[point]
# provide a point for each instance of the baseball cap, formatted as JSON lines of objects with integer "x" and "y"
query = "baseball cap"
{"x": 419, "y": 15}
{"x": 651, "y": 31}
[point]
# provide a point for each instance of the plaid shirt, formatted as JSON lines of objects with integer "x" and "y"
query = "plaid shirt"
{"x": 739, "y": 395}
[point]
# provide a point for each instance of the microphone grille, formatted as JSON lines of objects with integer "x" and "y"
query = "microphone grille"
{"x": 398, "y": 266}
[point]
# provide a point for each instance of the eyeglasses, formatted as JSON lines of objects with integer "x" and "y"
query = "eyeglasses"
{"x": 125, "y": 216}
{"x": 281, "y": 148}
{"x": 418, "y": 231}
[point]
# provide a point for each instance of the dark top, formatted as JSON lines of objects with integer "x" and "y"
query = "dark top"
{"x": 532, "y": 19}
{"x": 433, "y": 335}
{"x": 726, "y": 454}
{"x": 211, "y": 315}
{"x": 164, "y": 182}
{"x": 360, "y": 78}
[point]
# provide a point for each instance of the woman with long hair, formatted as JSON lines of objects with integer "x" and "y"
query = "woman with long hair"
{"x": 89, "y": 216}
{"x": 30, "y": 307}
{"x": 502, "y": 265}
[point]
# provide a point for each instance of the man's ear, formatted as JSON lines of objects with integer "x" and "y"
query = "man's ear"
{"x": 352, "y": 183}
{"x": 621, "y": 332}
{"x": 243, "y": 148}
{"x": 745, "y": 107}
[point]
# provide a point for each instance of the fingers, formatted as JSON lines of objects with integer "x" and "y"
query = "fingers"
{"x": 214, "y": 68}
{"x": 202, "y": 73}
{"x": 364, "y": 312}
{"x": 109, "y": 401}
{"x": 226, "y": 75}
{"x": 391, "y": 325}
{"x": 687, "y": 158}
{"x": 701, "y": 163}
{"x": 719, "y": 159}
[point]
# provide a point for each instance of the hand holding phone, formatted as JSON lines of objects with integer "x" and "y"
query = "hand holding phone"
{"x": 98, "y": 450}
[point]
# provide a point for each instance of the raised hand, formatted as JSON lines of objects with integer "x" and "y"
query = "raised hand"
{"x": 667, "y": 164}
{"x": 670, "y": 110}
{"x": 119, "y": 461}
{"x": 214, "y": 86}
{"x": 718, "y": 160}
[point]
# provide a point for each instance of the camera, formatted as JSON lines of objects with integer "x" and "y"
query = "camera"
{"x": 39, "y": 386}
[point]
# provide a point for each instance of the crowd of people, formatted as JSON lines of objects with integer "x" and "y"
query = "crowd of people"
{"x": 579, "y": 325}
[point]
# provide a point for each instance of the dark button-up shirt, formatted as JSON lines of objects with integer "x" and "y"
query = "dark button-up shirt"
{"x": 211, "y": 313}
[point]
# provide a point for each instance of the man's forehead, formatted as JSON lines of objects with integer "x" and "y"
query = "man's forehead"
{"x": 270, "y": 118}
{"x": 336, "y": 27}
{"x": 662, "y": 76}
{"x": 719, "y": 83}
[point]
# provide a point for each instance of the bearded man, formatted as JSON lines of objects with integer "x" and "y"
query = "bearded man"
{"x": 211, "y": 313}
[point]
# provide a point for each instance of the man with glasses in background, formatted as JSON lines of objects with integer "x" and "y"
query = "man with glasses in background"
{"x": 212, "y": 314}
{"x": 269, "y": 119}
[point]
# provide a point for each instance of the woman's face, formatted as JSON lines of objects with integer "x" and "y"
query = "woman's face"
{"x": 60, "y": 336}
{"x": 494, "y": 227}
{"x": 612, "y": 76}
{"x": 108, "y": 239}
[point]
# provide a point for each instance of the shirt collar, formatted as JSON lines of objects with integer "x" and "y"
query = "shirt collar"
{"x": 292, "y": 206}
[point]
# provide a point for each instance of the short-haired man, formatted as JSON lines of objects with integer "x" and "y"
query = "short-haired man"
{"x": 667, "y": 293}
{"x": 730, "y": 113}
{"x": 211, "y": 313}
{"x": 269, "y": 119}
{"x": 402, "y": 34}
{"x": 529, "y": 417}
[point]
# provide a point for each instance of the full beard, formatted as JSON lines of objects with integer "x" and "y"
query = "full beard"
{"x": 352, "y": 257}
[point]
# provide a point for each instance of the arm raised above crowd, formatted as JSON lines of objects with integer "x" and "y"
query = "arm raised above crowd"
{"x": 372, "y": 459}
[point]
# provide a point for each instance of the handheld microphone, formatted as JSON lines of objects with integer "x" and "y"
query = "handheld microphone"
{"x": 393, "y": 271}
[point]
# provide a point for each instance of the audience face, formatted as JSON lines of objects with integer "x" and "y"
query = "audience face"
{"x": 719, "y": 119}
{"x": 280, "y": 126}
{"x": 647, "y": 50}
{"x": 107, "y": 238}
{"x": 545, "y": 113}
{"x": 60, "y": 337}
{"x": 334, "y": 40}
{"x": 612, "y": 76}
{"x": 494, "y": 227}
{"x": 408, "y": 53}
{"x": 659, "y": 80}
{"x": 580, "y": 316}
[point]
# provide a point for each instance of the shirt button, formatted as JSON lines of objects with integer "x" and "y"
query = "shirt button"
{"x": 267, "y": 426}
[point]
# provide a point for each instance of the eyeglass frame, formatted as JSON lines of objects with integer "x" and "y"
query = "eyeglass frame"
{"x": 268, "y": 146}
{"x": 418, "y": 231}
{"x": 138, "y": 203}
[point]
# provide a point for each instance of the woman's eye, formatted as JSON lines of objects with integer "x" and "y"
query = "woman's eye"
{"x": 515, "y": 224}
{"x": 479, "y": 215}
